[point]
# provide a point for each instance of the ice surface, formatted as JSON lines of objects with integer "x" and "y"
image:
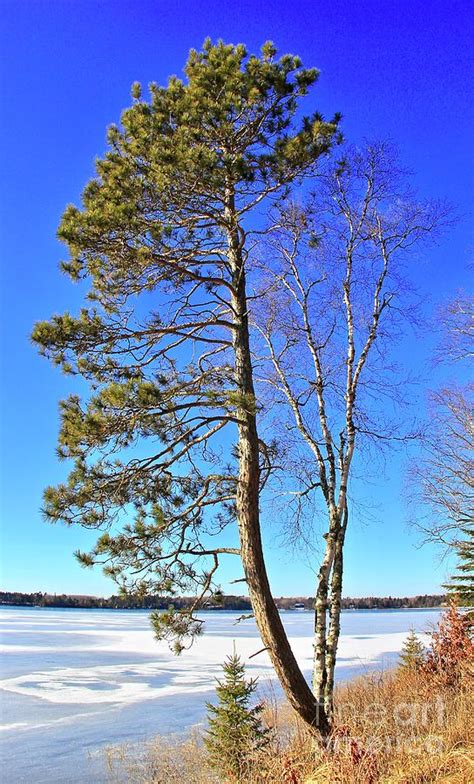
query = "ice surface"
{"x": 74, "y": 681}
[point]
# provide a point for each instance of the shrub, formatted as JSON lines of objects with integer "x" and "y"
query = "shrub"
{"x": 452, "y": 650}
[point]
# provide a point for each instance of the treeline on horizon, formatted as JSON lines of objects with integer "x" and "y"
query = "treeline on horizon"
{"x": 221, "y": 602}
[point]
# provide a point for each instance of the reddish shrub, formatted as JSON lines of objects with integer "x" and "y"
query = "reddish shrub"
{"x": 451, "y": 652}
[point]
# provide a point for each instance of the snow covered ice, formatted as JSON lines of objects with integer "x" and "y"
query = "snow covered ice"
{"x": 74, "y": 681}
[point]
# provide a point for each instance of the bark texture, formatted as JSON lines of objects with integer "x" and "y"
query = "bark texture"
{"x": 266, "y": 614}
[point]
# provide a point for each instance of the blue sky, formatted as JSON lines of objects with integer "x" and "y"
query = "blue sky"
{"x": 396, "y": 69}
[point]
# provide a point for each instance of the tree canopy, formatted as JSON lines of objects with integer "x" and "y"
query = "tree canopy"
{"x": 166, "y": 449}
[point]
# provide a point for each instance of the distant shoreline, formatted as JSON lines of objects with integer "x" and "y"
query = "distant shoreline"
{"x": 221, "y": 603}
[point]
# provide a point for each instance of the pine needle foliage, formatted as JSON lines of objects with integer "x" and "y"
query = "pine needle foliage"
{"x": 161, "y": 239}
{"x": 413, "y": 652}
{"x": 235, "y": 729}
{"x": 462, "y": 582}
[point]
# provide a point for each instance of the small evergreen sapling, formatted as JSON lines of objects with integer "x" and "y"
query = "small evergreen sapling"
{"x": 413, "y": 653}
{"x": 235, "y": 729}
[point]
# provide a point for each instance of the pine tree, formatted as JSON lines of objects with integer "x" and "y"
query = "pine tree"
{"x": 412, "y": 654}
{"x": 462, "y": 582}
{"x": 164, "y": 240}
{"x": 235, "y": 729}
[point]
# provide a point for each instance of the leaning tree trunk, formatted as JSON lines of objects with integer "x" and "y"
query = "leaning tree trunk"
{"x": 265, "y": 611}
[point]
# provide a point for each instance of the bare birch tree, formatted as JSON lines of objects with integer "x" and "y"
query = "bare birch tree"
{"x": 337, "y": 305}
{"x": 443, "y": 473}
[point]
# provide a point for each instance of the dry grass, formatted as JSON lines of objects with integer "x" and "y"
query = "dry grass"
{"x": 392, "y": 728}
{"x": 162, "y": 761}
{"x": 396, "y": 729}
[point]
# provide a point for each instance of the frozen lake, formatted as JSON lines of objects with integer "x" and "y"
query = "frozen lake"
{"x": 73, "y": 681}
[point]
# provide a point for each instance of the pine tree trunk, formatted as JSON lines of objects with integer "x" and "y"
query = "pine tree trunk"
{"x": 265, "y": 611}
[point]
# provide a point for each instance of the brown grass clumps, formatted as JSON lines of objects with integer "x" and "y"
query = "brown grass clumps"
{"x": 401, "y": 727}
{"x": 161, "y": 761}
{"x": 388, "y": 731}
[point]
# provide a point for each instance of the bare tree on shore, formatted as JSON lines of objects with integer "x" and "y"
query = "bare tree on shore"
{"x": 443, "y": 475}
{"x": 328, "y": 330}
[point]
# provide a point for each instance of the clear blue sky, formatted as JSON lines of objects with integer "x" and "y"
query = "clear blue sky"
{"x": 396, "y": 69}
